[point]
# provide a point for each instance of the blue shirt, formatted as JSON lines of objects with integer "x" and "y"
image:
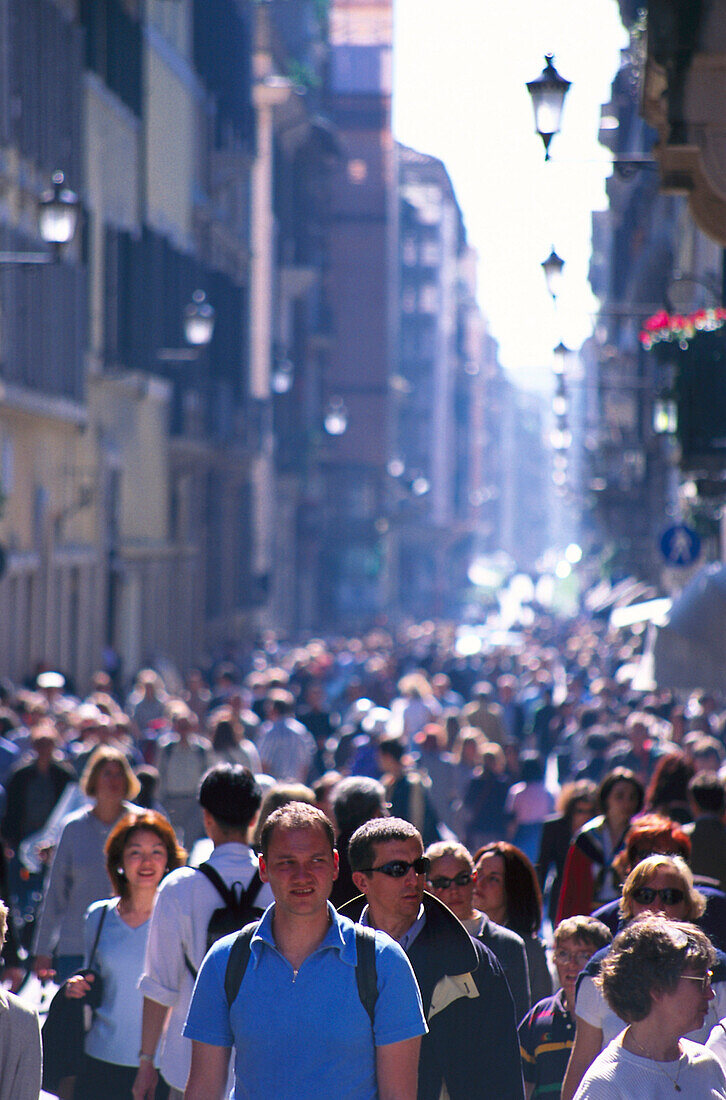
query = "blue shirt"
{"x": 306, "y": 1034}
{"x": 115, "y": 1034}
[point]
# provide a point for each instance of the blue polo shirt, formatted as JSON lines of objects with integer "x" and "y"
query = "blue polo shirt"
{"x": 305, "y": 1035}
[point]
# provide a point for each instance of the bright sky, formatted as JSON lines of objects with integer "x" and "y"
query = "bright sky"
{"x": 460, "y": 69}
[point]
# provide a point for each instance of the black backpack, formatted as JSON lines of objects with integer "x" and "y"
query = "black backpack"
{"x": 365, "y": 967}
{"x": 236, "y": 911}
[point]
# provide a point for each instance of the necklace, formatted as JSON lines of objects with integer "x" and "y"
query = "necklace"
{"x": 658, "y": 1065}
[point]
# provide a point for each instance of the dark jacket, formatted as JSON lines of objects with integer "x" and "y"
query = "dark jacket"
{"x": 61, "y": 774}
{"x": 553, "y": 848}
{"x": 472, "y": 1045}
{"x": 708, "y": 847}
{"x": 509, "y": 949}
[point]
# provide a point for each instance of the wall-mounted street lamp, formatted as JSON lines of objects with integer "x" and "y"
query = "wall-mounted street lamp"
{"x": 559, "y": 401}
{"x": 58, "y": 211}
{"x": 552, "y": 268}
{"x": 335, "y": 418}
{"x": 665, "y": 416}
{"x": 548, "y": 92}
{"x": 561, "y": 355}
{"x": 199, "y": 321}
{"x": 283, "y": 373}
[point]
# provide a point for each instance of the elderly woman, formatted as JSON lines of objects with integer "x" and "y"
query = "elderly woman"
{"x": 662, "y": 885}
{"x": 78, "y": 872}
{"x": 657, "y": 979}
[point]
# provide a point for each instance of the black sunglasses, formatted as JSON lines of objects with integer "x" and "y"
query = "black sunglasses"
{"x": 398, "y": 868}
{"x": 669, "y": 895}
{"x": 443, "y": 883}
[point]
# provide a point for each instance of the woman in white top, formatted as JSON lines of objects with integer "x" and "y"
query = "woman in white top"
{"x": 139, "y": 852}
{"x": 657, "y": 978}
{"x": 658, "y": 884}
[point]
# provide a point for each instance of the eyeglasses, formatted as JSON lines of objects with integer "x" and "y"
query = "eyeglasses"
{"x": 443, "y": 883}
{"x": 399, "y": 868}
{"x": 669, "y": 895}
{"x": 704, "y": 980}
{"x": 579, "y": 958}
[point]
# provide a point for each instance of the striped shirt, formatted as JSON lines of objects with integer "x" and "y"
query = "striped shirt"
{"x": 546, "y": 1036}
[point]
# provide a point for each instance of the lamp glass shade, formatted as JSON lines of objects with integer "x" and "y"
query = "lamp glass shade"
{"x": 335, "y": 419}
{"x": 58, "y": 212}
{"x": 199, "y": 318}
{"x": 559, "y": 404}
{"x": 553, "y": 267}
{"x": 561, "y": 354}
{"x": 283, "y": 375}
{"x": 548, "y": 92}
{"x": 665, "y": 416}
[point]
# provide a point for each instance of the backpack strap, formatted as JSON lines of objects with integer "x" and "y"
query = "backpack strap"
{"x": 239, "y": 956}
{"x": 365, "y": 969}
{"x": 224, "y": 891}
{"x": 228, "y": 897}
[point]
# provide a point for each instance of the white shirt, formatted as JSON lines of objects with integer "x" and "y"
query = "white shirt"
{"x": 592, "y": 1007}
{"x": 184, "y": 903}
{"x": 616, "y": 1074}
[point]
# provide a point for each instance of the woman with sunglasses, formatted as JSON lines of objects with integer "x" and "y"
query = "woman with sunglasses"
{"x": 451, "y": 878}
{"x": 657, "y": 980}
{"x": 662, "y": 885}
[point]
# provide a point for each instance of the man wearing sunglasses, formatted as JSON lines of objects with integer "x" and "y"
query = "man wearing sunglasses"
{"x": 295, "y": 1012}
{"x": 471, "y": 1050}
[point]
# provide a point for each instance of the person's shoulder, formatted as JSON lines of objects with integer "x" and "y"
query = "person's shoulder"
{"x": 96, "y": 907}
{"x": 24, "y": 1014}
{"x": 503, "y": 935}
{"x": 179, "y": 879}
{"x": 77, "y": 820}
{"x": 697, "y": 1053}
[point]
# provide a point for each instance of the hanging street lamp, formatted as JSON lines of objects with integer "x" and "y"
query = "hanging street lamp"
{"x": 548, "y": 92}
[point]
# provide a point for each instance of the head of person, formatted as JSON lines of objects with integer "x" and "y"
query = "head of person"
{"x": 651, "y": 835}
{"x": 44, "y": 741}
{"x": 358, "y": 799}
{"x": 280, "y": 703}
{"x": 279, "y": 794}
{"x": 649, "y": 970}
{"x": 620, "y": 796}
{"x": 451, "y": 877}
{"x": 391, "y": 751}
{"x": 576, "y": 941}
{"x": 223, "y": 734}
{"x": 230, "y": 797}
{"x": 532, "y": 769}
{"x": 577, "y": 803}
{"x": 706, "y": 794}
{"x": 389, "y": 867}
{"x": 108, "y": 776}
{"x": 669, "y": 782}
{"x": 506, "y": 887}
{"x": 298, "y": 858}
{"x": 661, "y": 884}
{"x": 706, "y": 752}
{"x": 141, "y": 848}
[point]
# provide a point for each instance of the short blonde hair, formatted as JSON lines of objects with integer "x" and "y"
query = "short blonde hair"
{"x": 644, "y": 871}
{"x": 106, "y": 754}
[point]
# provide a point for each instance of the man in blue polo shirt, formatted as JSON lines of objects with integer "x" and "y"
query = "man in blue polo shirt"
{"x": 298, "y": 1025}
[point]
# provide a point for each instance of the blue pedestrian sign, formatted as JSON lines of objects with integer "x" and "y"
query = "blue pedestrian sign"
{"x": 680, "y": 545}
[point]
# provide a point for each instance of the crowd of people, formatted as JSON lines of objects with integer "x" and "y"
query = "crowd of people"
{"x": 522, "y": 823}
